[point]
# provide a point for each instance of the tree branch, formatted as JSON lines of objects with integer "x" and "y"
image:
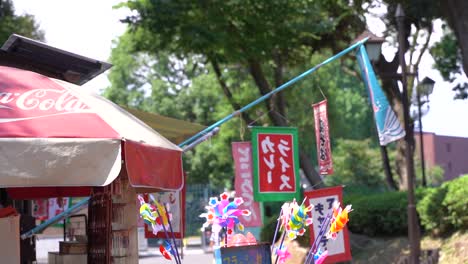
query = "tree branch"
{"x": 278, "y": 69}
{"x": 226, "y": 90}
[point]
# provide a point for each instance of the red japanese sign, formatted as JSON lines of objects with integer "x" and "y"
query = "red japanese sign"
{"x": 242, "y": 154}
{"x": 322, "y": 136}
{"x": 276, "y": 163}
{"x": 322, "y": 199}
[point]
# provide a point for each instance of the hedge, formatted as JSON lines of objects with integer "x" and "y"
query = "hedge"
{"x": 440, "y": 209}
{"x": 445, "y": 208}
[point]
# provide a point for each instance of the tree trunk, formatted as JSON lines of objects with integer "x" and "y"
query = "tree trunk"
{"x": 388, "y": 72}
{"x": 387, "y": 169}
{"x": 456, "y": 13}
{"x": 256, "y": 71}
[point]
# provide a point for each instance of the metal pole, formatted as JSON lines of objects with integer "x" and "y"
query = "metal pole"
{"x": 421, "y": 141}
{"x": 276, "y": 90}
{"x": 413, "y": 228}
{"x": 56, "y": 218}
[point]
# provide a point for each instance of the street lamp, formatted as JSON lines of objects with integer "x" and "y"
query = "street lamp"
{"x": 375, "y": 45}
{"x": 425, "y": 88}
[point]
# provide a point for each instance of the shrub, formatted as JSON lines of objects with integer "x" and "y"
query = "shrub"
{"x": 378, "y": 214}
{"x": 268, "y": 229}
{"x": 445, "y": 208}
{"x": 456, "y": 202}
{"x": 431, "y": 212}
{"x": 268, "y": 232}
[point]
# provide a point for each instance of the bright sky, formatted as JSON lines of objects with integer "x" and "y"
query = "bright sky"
{"x": 87, "y": 27}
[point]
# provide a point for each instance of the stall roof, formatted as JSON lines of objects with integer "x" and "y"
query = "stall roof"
{"x": 173, "y": 129}
{"x": 27, "y": 54}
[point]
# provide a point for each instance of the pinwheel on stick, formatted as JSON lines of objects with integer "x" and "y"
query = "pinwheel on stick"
{"x": 224, "y": 214}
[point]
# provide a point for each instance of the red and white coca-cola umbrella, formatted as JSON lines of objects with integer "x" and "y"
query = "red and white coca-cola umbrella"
{"x": 53, "y": 133}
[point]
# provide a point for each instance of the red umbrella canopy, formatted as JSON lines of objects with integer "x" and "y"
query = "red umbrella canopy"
{"x": 53, "y": 133}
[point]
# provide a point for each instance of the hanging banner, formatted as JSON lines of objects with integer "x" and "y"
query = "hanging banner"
{"x": 242, "y": 155}
{"x": 388, "y": 125}
{"x": 176, "y": 202}
{"x": 40, "y": 209}
{"x": 322, "y": 199}
{"x": 322, "y": 136}
{"x": 276, "y": 163}
{"x": 57, "y": 205}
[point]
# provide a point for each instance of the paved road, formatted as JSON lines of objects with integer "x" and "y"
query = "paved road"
{"x": 150, "y": 256}
{"x": 191, "y": 256}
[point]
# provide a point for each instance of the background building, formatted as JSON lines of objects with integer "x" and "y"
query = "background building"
{"x": 448, "y": 152}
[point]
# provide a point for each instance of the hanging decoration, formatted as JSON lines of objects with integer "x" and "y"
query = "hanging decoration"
{"x": 326, "y": 214}
{"x": 40, "y": 209}
{"x": 242, "y": 155}
{"x": 322, "y": 136}
{"x": 276, "y": 163}
{"x": 388, "y": 125}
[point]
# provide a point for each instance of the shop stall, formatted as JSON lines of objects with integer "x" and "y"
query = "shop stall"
{"x": 60, "y": 140}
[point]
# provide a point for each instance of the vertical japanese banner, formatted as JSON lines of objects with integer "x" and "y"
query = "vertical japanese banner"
{"x": 176, "y": 202}
{"x": 322, "y": 137}
{"x": 322, "y": 199}
{"x": 242, "y": 155}
{"x": 276, "y": 163}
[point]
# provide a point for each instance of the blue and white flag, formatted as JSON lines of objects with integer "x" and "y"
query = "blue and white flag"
{"x": 388, "y": 125}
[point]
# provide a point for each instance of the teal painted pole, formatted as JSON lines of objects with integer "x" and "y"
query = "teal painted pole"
{"x": 276, "y": 90}
{"x": 207, "y": 130}
{"x": 56, "y": 218}
{"x": 85, "y": 201}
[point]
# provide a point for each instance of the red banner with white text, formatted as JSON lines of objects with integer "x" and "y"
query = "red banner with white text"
{"x": 322, "y": 135}
{"x": 275, "y": 157}
{"x": 338, "y": 249}
{"x": 242, "y": 154}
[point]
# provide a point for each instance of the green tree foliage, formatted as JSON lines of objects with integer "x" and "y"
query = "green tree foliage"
{"x": 448, "y": 61}
{"x": 195, "y": 97}
{"x": 356, "y": 163}
{"x": 20, "y": 24}
{"x": 445, "y": 208}
{"x": 253, "y": 45}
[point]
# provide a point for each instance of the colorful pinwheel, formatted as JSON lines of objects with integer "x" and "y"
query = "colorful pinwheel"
{"x": 154, "y": 215}
{"x": 320, "y": 256}
{"x": 339, "y": 220}
{"x": 299, "y": 219}
{"x": 282, "y": 253}
{"x": 166, "y": 250}
{"x": 224, "y": 214}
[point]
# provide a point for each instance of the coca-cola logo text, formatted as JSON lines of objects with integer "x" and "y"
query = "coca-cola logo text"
{"x": 54, "y": 100}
